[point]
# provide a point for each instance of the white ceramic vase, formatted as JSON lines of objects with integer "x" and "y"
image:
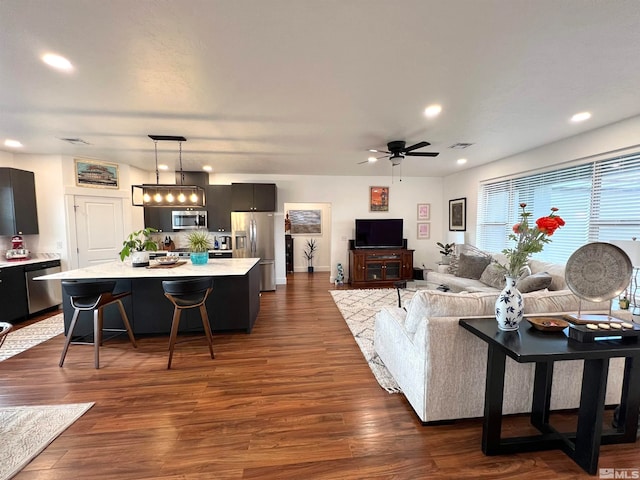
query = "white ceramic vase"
{"x": 509, "y": 306}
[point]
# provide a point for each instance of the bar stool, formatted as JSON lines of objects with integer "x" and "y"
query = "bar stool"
{"x": 5, "y": 328}
{"x": 94, "y": 296}
{"x": 186, "y": 294}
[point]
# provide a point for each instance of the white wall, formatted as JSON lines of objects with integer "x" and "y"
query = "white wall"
{"x": 349, "y": 199}
{"x": 606, "y": 142}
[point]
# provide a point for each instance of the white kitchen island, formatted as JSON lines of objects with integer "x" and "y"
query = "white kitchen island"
{"x": 233, "y": 304}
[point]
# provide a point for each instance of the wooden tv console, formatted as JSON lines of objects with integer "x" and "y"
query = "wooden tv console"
{"x": 379, "y": 267}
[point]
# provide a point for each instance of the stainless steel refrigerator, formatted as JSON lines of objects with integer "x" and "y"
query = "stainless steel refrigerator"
{"x": 253, "y": 237}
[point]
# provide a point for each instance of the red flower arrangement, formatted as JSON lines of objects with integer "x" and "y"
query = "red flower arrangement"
{"x": 529, "y": 239}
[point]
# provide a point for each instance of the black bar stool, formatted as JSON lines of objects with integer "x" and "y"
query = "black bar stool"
{"x": 94, "y": 296}
{"x": 5, "y": 328}
{"x": 188, "y": 294}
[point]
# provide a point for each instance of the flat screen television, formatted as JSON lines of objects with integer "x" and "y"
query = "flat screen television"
{"x": 378, "y": 233}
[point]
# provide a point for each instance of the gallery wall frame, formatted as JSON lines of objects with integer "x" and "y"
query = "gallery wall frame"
{"x": 94, "y": 174}
{"x": 379, "y": 199}
{"x": 424, "y": 230}
{"x": 424, "y": 211}
{"x": 458, "y": 214}
{"x": 305, "y": 222}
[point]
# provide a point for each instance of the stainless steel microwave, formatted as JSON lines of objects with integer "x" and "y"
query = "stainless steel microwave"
{"x": 188, "y": 219}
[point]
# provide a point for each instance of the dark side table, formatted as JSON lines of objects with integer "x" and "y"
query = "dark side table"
{"x": 527, "y": 345}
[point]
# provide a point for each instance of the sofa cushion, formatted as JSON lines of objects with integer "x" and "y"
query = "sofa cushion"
{"x": 544, "y": 301}
{"x": 556, "y": 271}
{"x": 493, "y": 276}
{"x": 533, "y": 282}
{"x": 434, "y": 303}
{"x": 472, "y": 266}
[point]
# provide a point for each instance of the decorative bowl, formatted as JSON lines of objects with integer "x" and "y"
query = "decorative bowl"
{"x": 548, "y": 324}
{"x": 168, "y": 260}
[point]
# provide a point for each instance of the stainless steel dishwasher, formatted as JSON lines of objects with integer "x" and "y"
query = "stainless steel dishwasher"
{"x": 42, "y": 294}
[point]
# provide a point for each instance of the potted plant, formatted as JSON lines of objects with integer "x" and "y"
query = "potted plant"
{"x": 199, "y": 244}
{"x": 310, "y": 252}
{"x": 138, "y": 244}
{"x": 446, "y": 249}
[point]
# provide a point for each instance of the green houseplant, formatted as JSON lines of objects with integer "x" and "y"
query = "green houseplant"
{"x": 310, "y": 252}
{"x": 138, "y": 244}
{"x": 199, "y": 244}
{"x": 446, "y": 249}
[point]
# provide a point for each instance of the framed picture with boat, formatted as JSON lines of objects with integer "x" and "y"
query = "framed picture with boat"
{"x": 91, "y": 173}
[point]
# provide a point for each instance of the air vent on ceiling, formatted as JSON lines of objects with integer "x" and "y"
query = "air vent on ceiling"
{"x": 460, "y": 146}
{"x": 75, "y": 141}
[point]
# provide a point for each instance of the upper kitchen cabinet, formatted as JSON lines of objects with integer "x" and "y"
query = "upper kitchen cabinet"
{"x": 158, "y": 218}
{"x": 18, "y": 210}
{"x": 219, "y": 208}
{"x": 253, "y": 197}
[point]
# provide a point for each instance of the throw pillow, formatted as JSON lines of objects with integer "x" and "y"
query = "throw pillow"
{"x": 493, "y": 276}
{"x": 536, "y": 281}
{"x": 472, "y": 266}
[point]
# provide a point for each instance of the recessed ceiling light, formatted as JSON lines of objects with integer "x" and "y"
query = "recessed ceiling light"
{"x": 461, "y": 161}
{"x": 581, "y": 117}
{"x": 207, "y": 168}
{"x": 432, "y": 111}
{"x": 12, "y": 143}
{"x": 163, "y": 167}
{"x": 372, "y": 159}
{"x": 57, "y": 62}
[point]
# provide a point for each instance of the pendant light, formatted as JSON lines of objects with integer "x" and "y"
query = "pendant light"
{"x": 167, "y": 195}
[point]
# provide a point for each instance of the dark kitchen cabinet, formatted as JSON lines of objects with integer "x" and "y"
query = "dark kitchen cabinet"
{"x": 219, "y": 208}
{"x": 13, "y": 294}
{"x": 253, "y": 197}
{"x": 18, "y": 209}
{"x": 158, "y": 218}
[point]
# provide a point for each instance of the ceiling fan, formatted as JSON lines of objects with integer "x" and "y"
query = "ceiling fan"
{"x": 398, "y": 150}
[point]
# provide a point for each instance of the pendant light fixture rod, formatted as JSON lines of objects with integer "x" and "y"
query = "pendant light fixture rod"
{"x": 181, "y": 172}
{"x": 155, "y": 142}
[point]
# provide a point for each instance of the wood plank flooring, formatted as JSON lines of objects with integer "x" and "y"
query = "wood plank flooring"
{"x": 294, "y": 399}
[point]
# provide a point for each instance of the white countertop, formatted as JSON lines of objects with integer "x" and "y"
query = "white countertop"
{"x": 215, "y": 267}
{"x": 34, "y": 258}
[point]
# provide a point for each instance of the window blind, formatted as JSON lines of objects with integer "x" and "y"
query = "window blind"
{"x": 599, "y": 201}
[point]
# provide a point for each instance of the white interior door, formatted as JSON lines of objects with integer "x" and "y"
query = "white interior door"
{"x": 99, "y": 229}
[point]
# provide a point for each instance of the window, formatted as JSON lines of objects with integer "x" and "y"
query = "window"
{"x": 599, "y": 201}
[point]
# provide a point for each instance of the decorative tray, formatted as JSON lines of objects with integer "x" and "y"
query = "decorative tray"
{"x": 168, "y": 265}
{"x": 627, "y": 332}
{"x": 598, "y": 271}
{"x": 547, "y": 324}
{"x": 168, "y": 260}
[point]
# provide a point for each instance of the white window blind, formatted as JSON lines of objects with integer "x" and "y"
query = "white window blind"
{"x": 599, "y": 201}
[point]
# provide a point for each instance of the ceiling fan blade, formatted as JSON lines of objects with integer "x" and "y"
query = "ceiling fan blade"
{"x": 373, "y": 150}
{"x": 423, "y": 154}
{"x": 416, "y": 146}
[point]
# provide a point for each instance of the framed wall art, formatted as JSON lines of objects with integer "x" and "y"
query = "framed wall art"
{"x": 424, "y": 211}
{"x": 379, "y": 199}
{"x": 458, "y": 215}
{"x": 90, "y": 173}
{"x": 424, "y": 230}
{"x": 305, "y": 222}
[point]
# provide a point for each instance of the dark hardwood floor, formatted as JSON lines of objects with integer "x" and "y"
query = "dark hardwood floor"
{"x": 294, "y": 399}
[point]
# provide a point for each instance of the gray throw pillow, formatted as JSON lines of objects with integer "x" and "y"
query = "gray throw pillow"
{"x": 472, "y": 266}
{"x": 536, "y": 281}
{"x": 493, "y": 276}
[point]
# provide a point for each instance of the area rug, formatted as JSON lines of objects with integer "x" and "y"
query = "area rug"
{"x": 27, "y": 431}
{"x": 24, "y": 338}
{"x": 358, "y": 308}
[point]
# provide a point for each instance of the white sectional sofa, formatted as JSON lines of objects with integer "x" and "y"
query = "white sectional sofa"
{"x": 441, "y": 368}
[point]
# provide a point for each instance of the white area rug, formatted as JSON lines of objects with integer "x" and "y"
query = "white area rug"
{"x": 24, "y": 338}
{"x": 358, "y": 308}
{"x": 26, "y": 431}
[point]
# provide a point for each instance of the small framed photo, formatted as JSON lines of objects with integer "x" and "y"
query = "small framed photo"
{"x": 424, "y": 211}
{"x": 90, "y": 173}
{"x": 424, "y": 230}
{"x": 458, "y": 215}
{"x": 379, "y": 199}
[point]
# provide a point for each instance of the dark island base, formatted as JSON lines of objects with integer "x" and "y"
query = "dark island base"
{"x": 233, "y": 304}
